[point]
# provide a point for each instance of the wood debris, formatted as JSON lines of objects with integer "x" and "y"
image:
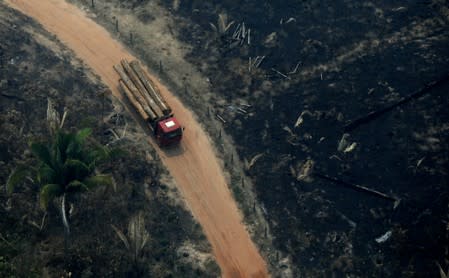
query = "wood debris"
{"x": 254, "y": 63}
{"x": 242, "y": 34}
{"x": 220, "y": 118}
{"x": 300, "y": 119}
{"x": 280, "y": 73}
{"x": 253, "y": 160}
{"x": 303, "y": 171}
{"x": 350, "y": 148}
{"x": 291, "y": 19}
{"x": 344, "y": 145}
{"x": 295, "y": 69}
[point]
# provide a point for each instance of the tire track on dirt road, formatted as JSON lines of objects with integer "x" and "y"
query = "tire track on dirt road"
{"x": 195, "y": 168}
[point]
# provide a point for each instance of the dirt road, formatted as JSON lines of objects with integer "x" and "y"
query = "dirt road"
{"x": 196, "y": 170}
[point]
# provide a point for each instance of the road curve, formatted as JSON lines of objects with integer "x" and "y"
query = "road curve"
{"x": 195, "y": 169}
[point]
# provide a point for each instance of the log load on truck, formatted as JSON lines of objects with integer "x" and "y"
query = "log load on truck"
{"x": 146, "y": 98}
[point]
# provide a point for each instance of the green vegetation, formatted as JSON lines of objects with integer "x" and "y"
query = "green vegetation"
{"x": 65, "y": 166}
{"x": 6, "y": 268}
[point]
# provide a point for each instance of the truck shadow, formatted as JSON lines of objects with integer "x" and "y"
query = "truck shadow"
{"x": 174, "y": 150}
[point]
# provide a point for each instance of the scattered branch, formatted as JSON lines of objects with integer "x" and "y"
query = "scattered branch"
{"x": 114, "y": 133}
{"x": 242, "y": 34}
{"x": 41, "y": 226}
{"x": 280, "y": 73}
{"x": 255, "y": 63}
{"x": 253, "y": 161}
{"x": 124, "y": 130}
{"x": 300, "y": 119}
{"x": 296, "y": 68}
{"x": 220, "y": 118}
{"x": 63, "y": 118}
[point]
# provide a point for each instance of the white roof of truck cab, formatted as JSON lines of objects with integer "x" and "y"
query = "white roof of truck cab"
{"x": 170, "y": 124}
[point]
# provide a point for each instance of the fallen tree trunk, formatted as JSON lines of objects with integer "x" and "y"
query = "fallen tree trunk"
{"x": 357, "y": 187}
{"x": 375, "y": 114}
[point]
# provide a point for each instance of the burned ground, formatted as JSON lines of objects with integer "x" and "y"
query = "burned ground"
{"x": 351, "y": 57}
{"x": 334, "y": 62}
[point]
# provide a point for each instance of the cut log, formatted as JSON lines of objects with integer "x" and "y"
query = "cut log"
{"x": 132, "y": 75}
{"x": 375, "y": 114}
{"x": 357, "y": 187}
{"x": 151, "y": 87}
{"x": 133, "y": 90}
{"x": 134, "y": 101}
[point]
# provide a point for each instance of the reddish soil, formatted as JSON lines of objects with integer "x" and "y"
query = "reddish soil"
{"x": 193, "y": 165}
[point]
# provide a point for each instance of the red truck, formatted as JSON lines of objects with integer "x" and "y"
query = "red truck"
{"x": 146, "y": 98}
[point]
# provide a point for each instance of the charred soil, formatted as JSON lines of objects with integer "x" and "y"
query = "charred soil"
{"x": 322, "y": 67}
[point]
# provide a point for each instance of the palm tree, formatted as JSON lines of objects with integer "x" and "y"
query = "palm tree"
{"x": 65, "y": 166}
{"x": 136, "y": 240}
{"x": 138, "y": 236}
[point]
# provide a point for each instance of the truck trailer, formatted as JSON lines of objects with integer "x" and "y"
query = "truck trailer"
{"x": 147, "y": 100}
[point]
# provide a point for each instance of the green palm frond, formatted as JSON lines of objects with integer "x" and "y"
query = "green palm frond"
{"x": 62, "y": 143}
{"x": 82, "y": 134}
{"x": 74, "y": 150}
{"x": 99, "y": 154}
{"x": 66, "y": 165}
{"x": 41, "y": 152}
{"x": 76, "y": 186}
{"x": 75, "y": 170}
{"x": 17, "y": 176}
{"x": 97, "y": 180}
{"x": 75, "y": 146}
{"x": 58, "y": 161}
{"x": 46, "y": 174}
{"x": 48, "y": 192}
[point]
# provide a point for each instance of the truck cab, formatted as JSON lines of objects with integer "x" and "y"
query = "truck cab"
{"x": 168, "y": 132}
